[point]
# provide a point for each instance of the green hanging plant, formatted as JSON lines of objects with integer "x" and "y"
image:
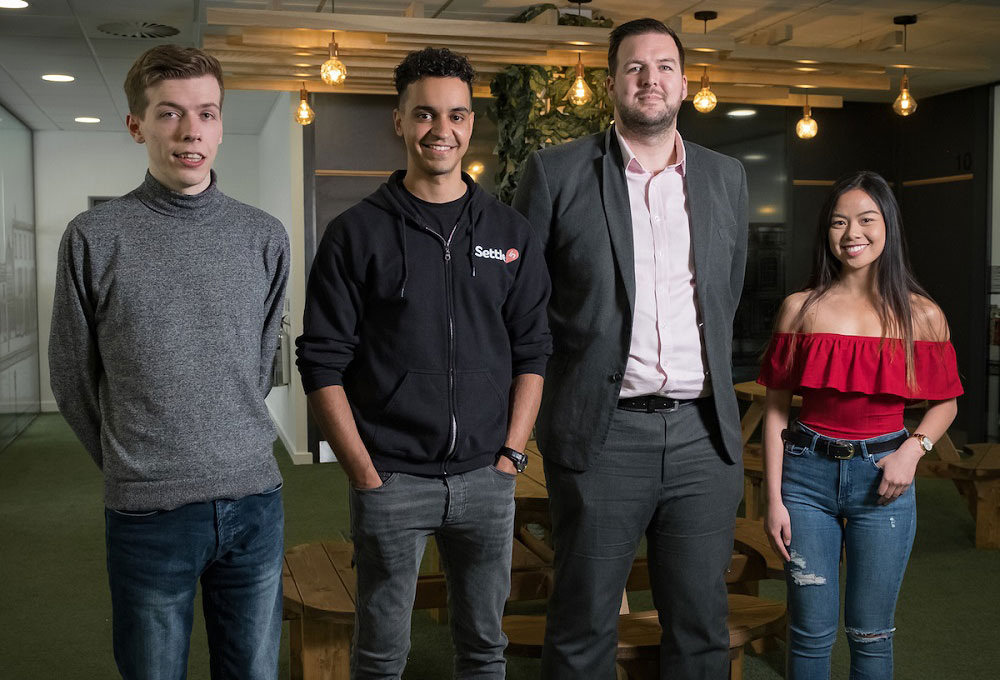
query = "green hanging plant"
{"x": 593, "y": 21}
{"x": 531, "y": 111}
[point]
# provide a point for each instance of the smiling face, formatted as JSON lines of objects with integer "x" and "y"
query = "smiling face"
{"x": 857, "y": 230}
{"x": 182, "y": 129}
{"x": 648, "y": 85}
{"x": 435, "y": 121}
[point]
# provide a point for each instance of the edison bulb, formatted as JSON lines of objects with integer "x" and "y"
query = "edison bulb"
{"x": 705, "y": 100}
{"x": 807, "y": 127}
{"x": 333, "y": 71}
{"x": 304, "y": 114}
{"x": 580, "y": 93}
{"x": 905, "y": 104}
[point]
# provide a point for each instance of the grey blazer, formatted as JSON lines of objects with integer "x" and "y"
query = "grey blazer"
{"x": 576, "y": 198}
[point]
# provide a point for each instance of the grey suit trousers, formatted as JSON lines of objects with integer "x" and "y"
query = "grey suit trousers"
{"x": 661, "y": 475}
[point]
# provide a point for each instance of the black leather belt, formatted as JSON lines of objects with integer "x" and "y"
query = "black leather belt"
{"x": 652, "y": 403}
{"x": 841, "y": 449}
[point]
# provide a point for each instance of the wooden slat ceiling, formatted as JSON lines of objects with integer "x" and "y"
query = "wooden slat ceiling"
{"x": 752, "y": 58}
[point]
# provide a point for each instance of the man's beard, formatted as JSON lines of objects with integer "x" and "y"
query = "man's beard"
{"x": 635, "y": 119}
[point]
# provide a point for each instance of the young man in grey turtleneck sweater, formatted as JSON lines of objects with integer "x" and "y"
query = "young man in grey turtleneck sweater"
{"x": 165, "y": 321}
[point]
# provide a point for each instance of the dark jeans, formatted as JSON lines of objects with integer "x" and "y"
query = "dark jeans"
{"x": 660, "y": 474}
{"x": 472, "y": 517}
{"x": 155, "y": 561}
{"x": 833, "y": 504}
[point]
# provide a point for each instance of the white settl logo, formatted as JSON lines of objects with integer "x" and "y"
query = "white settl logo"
{"x": 507, "y": 256}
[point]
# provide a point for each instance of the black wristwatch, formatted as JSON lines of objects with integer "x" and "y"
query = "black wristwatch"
{"x": 519, "y": 460}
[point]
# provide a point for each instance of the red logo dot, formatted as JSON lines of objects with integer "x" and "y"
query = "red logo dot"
{"x": 511, "y": 255}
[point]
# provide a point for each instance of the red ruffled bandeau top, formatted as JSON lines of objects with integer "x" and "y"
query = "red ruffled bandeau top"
{"x": 853, "y": 386}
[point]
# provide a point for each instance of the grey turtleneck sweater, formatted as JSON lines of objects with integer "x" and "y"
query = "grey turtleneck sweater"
{"x": 164, "y": 325}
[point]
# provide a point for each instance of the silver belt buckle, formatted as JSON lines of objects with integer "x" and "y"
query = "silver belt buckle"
{"x": 844, "y": 444}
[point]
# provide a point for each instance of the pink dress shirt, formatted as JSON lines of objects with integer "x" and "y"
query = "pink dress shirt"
{"x": 666, "y": 356}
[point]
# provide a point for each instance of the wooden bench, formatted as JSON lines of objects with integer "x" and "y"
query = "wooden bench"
{"x": 319, "y": 596}
{"x": 981, "y": 471}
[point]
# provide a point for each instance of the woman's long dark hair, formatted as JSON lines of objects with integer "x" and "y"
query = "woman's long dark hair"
{"x": 894, "y": 281}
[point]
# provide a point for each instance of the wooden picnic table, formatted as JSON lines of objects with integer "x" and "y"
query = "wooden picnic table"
{"x": 982, "y": 472}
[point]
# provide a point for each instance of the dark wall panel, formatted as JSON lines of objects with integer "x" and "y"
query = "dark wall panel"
{"x": 947, "y": 142}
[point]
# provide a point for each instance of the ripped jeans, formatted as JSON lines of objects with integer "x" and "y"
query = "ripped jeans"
{"x": 832, "y": 503}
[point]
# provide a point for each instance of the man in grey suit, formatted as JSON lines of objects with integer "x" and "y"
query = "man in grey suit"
{"x": 645, "y": 240}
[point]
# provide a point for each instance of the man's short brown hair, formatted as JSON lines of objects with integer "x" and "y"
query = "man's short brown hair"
{"x": 167, "y": 62}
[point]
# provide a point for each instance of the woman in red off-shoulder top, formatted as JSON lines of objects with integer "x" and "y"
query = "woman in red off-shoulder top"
{"x": 857, "y": 344}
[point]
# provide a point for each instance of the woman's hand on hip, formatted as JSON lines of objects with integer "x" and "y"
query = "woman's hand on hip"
{"x": 778, "y": 527}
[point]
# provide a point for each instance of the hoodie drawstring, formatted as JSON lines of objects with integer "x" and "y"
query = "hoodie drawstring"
{"x": 401, "y": 230}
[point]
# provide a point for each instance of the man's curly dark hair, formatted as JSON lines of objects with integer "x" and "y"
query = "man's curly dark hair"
{"x": 432, "y": 62}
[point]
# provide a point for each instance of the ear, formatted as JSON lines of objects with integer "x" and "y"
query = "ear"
{"x": 684, "y": 86}
{"x": 397, "y": 122}
{"x": 133, "y": 124}
{"x": 609, "y": 84}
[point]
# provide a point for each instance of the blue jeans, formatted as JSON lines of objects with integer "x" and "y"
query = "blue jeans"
{"x": 832, "y": 503}
{"x": 472, "y": 517}
{"x": 155, "y": 561}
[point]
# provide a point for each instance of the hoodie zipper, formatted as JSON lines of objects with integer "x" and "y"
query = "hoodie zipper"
{"x": 448, "y": 284}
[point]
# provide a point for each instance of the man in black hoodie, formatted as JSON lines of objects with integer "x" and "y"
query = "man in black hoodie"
{"x": 424, "y": 346}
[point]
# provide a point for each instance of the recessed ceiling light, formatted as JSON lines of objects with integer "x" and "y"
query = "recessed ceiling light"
{"x": 741, "y": 113}
{"x": 806, "y": 69}
{"x": 807, "y": 87}
{"x": 58, "y": 78}
{"x": 301, "y": 75}
{"x": 806, "y": 61}
{"x": 303, "y": 54}
{"x": 703, "y": 49}
{"x": 87, "y": 119}
{"x": 13, "y": 4}
{"x": 303, "y": 65}
{"x": 754, "y": 157}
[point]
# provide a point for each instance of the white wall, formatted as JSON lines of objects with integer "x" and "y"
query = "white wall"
{"x": 71, "y": 166}
{"x": 281, "y": 195}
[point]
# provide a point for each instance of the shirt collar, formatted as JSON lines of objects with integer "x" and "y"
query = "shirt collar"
{"x": 632, "y": 163}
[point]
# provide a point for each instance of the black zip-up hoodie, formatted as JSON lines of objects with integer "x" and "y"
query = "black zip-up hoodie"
{"x": 425, "y": 334}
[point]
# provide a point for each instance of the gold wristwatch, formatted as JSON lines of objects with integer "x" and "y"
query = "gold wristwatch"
{"x": 924, "y": 440}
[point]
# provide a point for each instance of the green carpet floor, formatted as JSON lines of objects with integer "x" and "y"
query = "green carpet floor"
{"x": 55, "y": 609}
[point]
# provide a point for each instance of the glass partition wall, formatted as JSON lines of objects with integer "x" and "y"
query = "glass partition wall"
{"x": 19, "y": 392}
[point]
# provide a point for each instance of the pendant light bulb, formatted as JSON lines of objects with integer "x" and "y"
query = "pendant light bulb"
{"x": 304, "y": 114}
{"x": 333, "y": 71}
{"x": 807, "y": 127}
{"x": 580, "y": 93}
{"x": 705, "y": 100}
{"x": 905, "y": 104}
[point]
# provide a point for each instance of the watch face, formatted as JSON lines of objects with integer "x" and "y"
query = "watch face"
{"x": 926, "y": 442}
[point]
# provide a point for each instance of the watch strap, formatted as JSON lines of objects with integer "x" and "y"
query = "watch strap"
{"x": 519, "y": 459}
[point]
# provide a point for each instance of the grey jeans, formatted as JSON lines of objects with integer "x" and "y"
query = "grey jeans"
{"x": 471, "y": 516}
{"x": 660, "y": 474}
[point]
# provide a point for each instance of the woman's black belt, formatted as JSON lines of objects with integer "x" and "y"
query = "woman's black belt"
{"x": 841, "y": 449}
